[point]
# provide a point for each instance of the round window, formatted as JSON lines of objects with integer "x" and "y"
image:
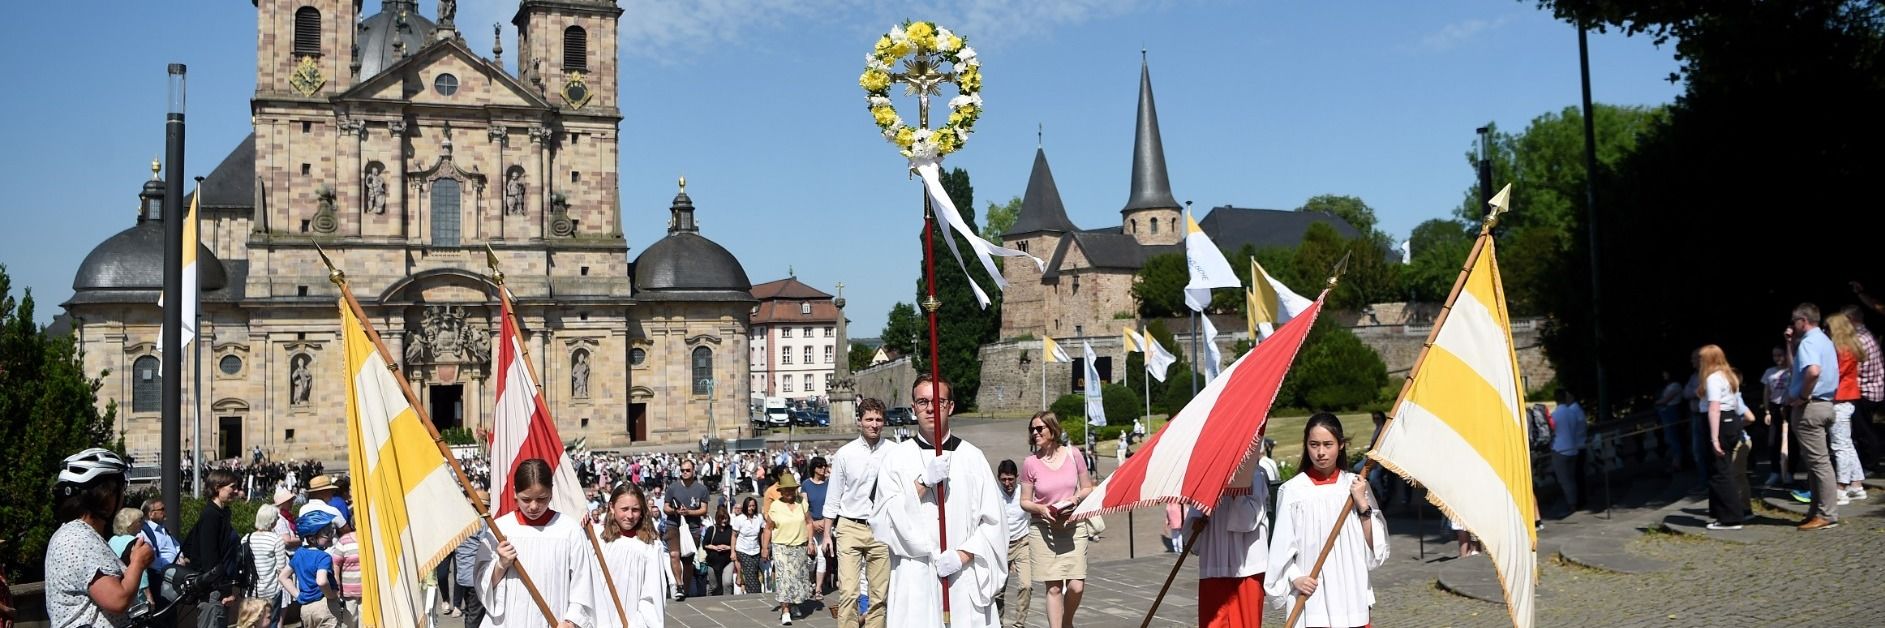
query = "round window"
{"x": 638, "y": 357}
{"x": 446, "y": 84}
{"x": 230, "y": 365}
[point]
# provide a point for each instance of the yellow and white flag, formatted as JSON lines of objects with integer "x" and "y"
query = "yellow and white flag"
{"x": 1269, "y": 303}
{"x": 408, "y": 510}
{"x": 1460, "y": 430}
{"x": 1050, "y": 351}
{"x": 1209, "y": 269}
{"x": 189, "y": 273}
{"x": 1132, "y": 340}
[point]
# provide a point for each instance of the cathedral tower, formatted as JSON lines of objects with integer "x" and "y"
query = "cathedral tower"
{"x": 1152, "y": 215}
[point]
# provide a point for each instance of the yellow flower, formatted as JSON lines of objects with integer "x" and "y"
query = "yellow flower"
{"x": 923, "y": 35}
{"x": 898, "y": 51}
{"x": 945, "y": 141}
{"x": 874, "y": 80}
{"x": 883, "y": 47}
{"x": 906, "y": 137}
{"x": 972, "y": 79}
{"x": 953, "y": 44}
{"x": 885, "y": 116}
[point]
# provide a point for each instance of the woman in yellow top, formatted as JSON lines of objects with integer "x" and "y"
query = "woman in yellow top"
{"x": 788, "y": 525}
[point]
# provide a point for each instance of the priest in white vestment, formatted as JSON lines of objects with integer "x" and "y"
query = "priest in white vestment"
{"x": 974, "y": 556}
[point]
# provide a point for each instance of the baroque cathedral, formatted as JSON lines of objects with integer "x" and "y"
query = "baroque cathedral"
{"x": 404, "y": 155}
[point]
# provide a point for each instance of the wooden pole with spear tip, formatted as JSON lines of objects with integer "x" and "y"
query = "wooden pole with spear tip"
{"x": 1197, "y": 527}
{"x": 1498, "y": 203}
{"x": 339, "y": 278}
{"x": 589, "y": 531}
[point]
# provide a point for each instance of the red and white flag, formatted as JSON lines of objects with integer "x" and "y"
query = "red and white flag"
{"x": 523, "y": 429}
{"x": 1192, "y": 458}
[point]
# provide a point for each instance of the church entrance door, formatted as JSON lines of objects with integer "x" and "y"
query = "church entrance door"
{"x": 448, "y": 406}
{"x": 638, "y": 422}
{"x": 229, "y": 437}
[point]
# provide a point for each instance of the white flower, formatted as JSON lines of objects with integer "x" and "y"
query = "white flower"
{"x": 943, "y": 35}
{"x": 958, "y": 102}
{"x": 966, "y": 58}
{"x": 922, "y": 135}
{"x": 898, "y": 36}
{"x": 879, "y": 101}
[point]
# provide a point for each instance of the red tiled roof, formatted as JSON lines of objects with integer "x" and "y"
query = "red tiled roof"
{"x": 788, "y": 288}
{"x": 788, "y": 312}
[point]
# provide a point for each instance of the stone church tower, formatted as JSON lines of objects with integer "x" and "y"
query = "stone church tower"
{"x": 404, "y": 154}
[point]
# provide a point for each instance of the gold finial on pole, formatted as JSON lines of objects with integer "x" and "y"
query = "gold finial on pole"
{"x": 156, "y": 167}
{"x": 490, "y": 259}
{"x": 334, "y": 273}
{"x": 683, "y": 184}
{"x": 1341, "y": 266}
{"x": 1501, "y": 203}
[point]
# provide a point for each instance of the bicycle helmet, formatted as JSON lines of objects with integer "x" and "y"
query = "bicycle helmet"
{"x": 91, "y": 465}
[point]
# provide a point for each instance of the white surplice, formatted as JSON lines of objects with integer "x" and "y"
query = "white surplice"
{"x": 1305, "y": 511}
{"x": 559, "y": 561}
{"x": 636, "y": 568}
{"x": 907, "y": 524}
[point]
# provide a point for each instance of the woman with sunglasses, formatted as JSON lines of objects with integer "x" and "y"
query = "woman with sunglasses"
{"x": 1053, "y": 481}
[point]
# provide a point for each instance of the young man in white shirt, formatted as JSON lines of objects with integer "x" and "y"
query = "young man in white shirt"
{"x": 848, "y": 506}
{"x": 1020, "y": 563}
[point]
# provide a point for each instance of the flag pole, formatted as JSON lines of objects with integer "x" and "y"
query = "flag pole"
{"x": 504, "y": 299}
{"x": 1459, "y": 283}
{"x": 340, "y": 280}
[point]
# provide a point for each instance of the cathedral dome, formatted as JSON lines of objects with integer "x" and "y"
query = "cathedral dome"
{"x": 686, "y": 266}
{"x": 134, "y": 260}
{"x": 382, "y": 36}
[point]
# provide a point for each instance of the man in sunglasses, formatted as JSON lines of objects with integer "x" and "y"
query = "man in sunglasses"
{"x": 686, "y": 503}
{"x": 916, "y": 486}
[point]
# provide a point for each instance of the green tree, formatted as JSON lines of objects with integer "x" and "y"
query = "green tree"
{"x": 1334, "y": 371}
{"x": 962, "y": 326}
{"x": 1440, "y": 247}
{"x": 1545, "y": 166}
{"x": 905, "y": 330}
{"x": 1350, "y": 209}
{"x": 1000, "y": 218}
{"x": 48, "y": 410}
{"x": 1160, "y": 286}
{"x": 860, "y": 356}
{"x": 1783, "y": 135}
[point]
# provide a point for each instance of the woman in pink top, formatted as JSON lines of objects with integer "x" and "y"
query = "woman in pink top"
{"x": 1053, "y": 481}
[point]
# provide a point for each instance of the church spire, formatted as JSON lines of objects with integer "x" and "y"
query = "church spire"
{"x": 682, "y": 220}
{"x": 1151, "y": 188}
{"x": 1041, "y": 209}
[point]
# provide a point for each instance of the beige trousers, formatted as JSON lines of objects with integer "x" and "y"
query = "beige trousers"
{"x": 857, "y": 548}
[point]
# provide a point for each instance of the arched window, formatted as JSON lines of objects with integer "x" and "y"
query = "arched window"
{"x": 575, "y": 49}
{"x": 446, "y": 194}
{"x": 1135, "y": 228}
{"x": 307, "y": 31}
{"x": 703, "y": 369}
{"x": 147, "y": 385}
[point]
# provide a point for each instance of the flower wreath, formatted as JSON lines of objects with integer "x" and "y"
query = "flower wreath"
{"x": 921, "y": 39}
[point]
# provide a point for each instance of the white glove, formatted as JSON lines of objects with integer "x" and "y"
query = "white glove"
{"x": 948, "y": 563}
{"x": 936, "y": 470}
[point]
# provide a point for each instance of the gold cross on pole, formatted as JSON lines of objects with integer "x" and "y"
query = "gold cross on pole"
{"x": 922, "y": 81}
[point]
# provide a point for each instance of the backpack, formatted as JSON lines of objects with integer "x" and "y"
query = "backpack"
{"x": 1540, "y": 420}
{"x": 244, "y": 573}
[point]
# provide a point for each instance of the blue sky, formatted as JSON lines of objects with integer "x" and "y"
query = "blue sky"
{"x": 1262, "y": 104}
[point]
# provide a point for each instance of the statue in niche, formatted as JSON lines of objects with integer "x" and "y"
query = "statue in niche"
{"x": 514, "y": 192}
{"x": 376, "y": 189}
{"x": 579, "y": 376}
{"x": 415, "y": 347}
{"x": 301, "y": 381}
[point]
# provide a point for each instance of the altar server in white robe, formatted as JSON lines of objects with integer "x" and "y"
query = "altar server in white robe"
{"x": 974, "y": 559}
{"x": 551, "y": 546}
{"x": 1306, "y": 508}
{"x": 633, "y": 561}
{"x": 1233, "y": 550}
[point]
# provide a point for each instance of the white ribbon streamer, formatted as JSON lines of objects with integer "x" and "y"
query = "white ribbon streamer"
{"x": 931, "y": 173}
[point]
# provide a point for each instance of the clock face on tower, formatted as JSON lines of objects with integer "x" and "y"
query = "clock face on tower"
{"x": 575, "y": 91}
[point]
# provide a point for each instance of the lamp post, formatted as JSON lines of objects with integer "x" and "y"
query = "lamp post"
{"x": 172, "y": 341}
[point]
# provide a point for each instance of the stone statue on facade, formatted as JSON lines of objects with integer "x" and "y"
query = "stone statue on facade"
{"x": 376, "y": 189}
{"x": 579, "y": 376}
{"x": 301, "y": 381}
{"x": 444, "y": 335}
{"x": 448, "y": 11}
{"x": 514, "y": 193}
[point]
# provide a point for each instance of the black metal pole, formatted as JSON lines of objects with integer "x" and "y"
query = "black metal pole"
{"x": 1590, "y": 208}
{"x": 1485, "y": 167}
{"x": 173, "y": 300}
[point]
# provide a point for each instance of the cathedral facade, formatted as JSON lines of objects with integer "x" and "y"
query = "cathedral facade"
{"x": 407, "y": 156}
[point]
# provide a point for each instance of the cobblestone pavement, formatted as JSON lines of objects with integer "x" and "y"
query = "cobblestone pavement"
{"x": 1768, "y": 574}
